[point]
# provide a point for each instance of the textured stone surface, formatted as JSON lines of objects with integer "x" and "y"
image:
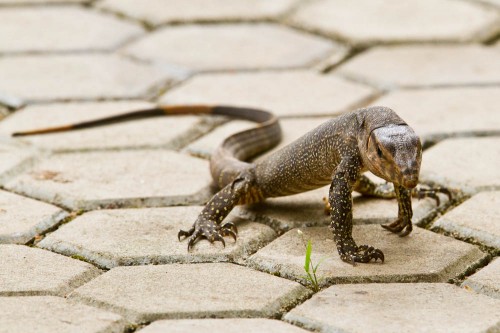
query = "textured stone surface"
{"x": 230, "y": 47}
{"x": 292, "y": 93}
{"x": 406, "y": 307}
{"x": 426, "y": 65}
{"x": 171, "y": 132}
{"x": 114, "y": 179}
{"x": 486, "y": 281}
{"x": 49, "y": 314}
{"x": 112, "y": 238}
{"x": 386, "y": 21}
{"x": 468, "y": 164}
{"x": 30, "y": 271}
{"x": 237, "y": 325}
{"x": 147, "y": 293}
{"x": 90, "y": 76}
{"x": 477, "y": 218}
{"x": 158, "y": 11}
{"x": 421, "y": 257}
{"x": 442, "y": 112}
{"x": 12, "y": 159}
{"x": 62, "y": 30}
{"x": 21, "y": 218}
{"x": 308, "y": 209}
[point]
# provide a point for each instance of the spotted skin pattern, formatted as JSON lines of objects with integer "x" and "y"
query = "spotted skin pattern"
{"x": 337, "y": 152}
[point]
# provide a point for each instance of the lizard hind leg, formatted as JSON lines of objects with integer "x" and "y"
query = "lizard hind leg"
{"x": 209, "y": 225}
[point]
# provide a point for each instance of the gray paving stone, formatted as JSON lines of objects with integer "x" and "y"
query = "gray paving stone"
{"x": 83, "y": 76}
{"x": 111, "y": 238}
{"x": 387, "y": 22}
{"x": 443, "y": 112}
{"x": 421, "y": 257}
{"x": 486, "y": 280}
{"x": 397, "y": 307}
{"x": 291, "y": 93}
{"x": 308, "y": 209}
{"x": 169, "y": 132}
{"x": 22, "y": 219}
{"x": 147, "y": 293}
{"x": 54, "y": 315}
{"x": 477, "y": 218}
{"x": 12, "y": 159}
{"x": 237, "y": 325}
{"x": 158, "y": 12}
{"x": 28, "y": 271}
{"x": 425, "y": 65}
{"x": 62, "y": 29}
{"x": 231, "y": 47}
{"x": 469, "y": 164}
{"x": 113, "y": 179}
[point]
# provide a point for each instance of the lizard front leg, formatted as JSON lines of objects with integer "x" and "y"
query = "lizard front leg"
{"x": 402, "y": 225}
{"x": 340, "y": 199}
{"x": 209, "y": 223}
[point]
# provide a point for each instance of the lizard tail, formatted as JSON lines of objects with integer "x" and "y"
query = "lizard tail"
{"x": 259, "y": 116}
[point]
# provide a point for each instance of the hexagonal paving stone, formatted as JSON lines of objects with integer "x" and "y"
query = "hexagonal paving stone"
{"x": 62, "y": 30}
{"x": 114, "y": 179}
{"x": 425, "y": 65}
{"x": 486, "y": 280}
{"x": 31, "y": 271}
{"x": 386, "y": 21}
{"x": 237, "y": 325}
{"x": 308, "y": 209}
{"x": 421, "y": 257}
{"x": 443, "y": 112}
{"x": 469, "y": 164}
{"x": 397, "y": 307}
{"x": 158, "y": 11}
{"x": 89, "y": 76}
{"x": 231, "y": 46}
{"x": 21, "y": 219}
{"x": 55, "y": 315}
{"x": 293, "y": 93}
{"x": 477, "y": 218}
{"x": 147, "y": 293}
{"x": 169, "y": 132}
{"x": 112, "y": 238}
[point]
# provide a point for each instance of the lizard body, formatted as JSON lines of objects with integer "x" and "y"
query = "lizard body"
{"x": 337, "y": 152}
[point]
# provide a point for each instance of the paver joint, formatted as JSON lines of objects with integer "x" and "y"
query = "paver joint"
{"x": 89, "y": 219}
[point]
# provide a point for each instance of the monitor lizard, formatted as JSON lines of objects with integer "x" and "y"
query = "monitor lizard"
{"x": 337, "y": 152}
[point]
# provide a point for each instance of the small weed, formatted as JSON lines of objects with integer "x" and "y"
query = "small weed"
{"x": 309, "y": 267}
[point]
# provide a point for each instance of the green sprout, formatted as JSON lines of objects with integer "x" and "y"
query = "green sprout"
{"x": 309, "y": 267}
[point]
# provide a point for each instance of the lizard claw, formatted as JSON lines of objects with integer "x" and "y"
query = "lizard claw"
{"x": 209, "y": 230}
{"x": 402, "y": 227}
{"x": 432, "y": 192}
{"x": 363, "y": 254}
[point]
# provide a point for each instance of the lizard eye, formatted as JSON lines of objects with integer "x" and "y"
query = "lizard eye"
{"x": 379, "y": 152}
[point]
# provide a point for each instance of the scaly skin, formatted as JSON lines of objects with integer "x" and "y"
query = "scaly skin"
{"x": 338, "y": 152}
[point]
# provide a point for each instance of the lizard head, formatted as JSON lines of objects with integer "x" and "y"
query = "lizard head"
{"x": 394, "y": 153}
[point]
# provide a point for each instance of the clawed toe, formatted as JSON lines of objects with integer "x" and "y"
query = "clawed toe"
{"x": 363, "y": 254}
{"x": 402, "y": 227}
{"x": 210, "y": 231}
{"x": 433, "y": 192}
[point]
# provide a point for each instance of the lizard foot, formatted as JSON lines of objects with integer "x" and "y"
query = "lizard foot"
{"x": 432, "y": 192}
{"x": 209, "y": 230}
{"x": 401, "y": 226}
{"x": 363, "y": 254}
